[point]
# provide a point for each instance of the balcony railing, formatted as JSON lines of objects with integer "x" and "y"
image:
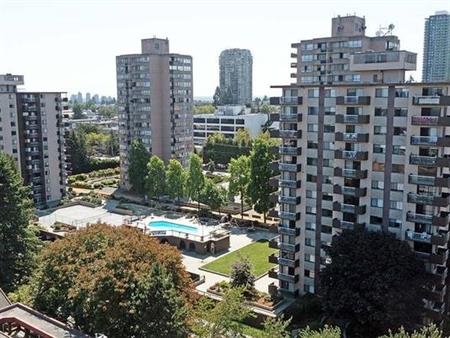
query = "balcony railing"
{"x": 351, "y": 173}
{"x": 440, "y": 201}
{"x": 288, "y": 150}
{"x": 288, "y": 278}
{"x": 288, "y": 262}
{"x": 349, "y": 208}
{"x": 345, "y": 225}
{"x": 418, "y": 236}
{"x": 291, "y": 216}
{"x": 284, "y": 117}
{"x": 421, "y": 180}
{"x": 289, "y": 199}
{"x": 351, "y": 137}
{"x": 424, "y": 140}
{"x": 351, "y": 191}
{"x": 289, "y": 183}
{"x": 354, "y": 155}
{"x": 443, "y": 121}
{"x": 288, "y": 247}
{"x": 290, "y": 134}
{"x": 283, "y": 230}
{"x": 352, "y": 119}
{"x": 291, "y": 100}
{"x": 353, "y": 100}
{"x": 431, "y": 100}
{"x": 429, "y": 161}
{"x": 292, "y": 167}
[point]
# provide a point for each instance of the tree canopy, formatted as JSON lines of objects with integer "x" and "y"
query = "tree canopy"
{"x": 155, "y": 181}
{"x": 137, "y": 167}
{"x": 195, "y": 179}
{"x": 239, "y": 178}
{"x": 18, "y": 241}
{"x": 374, "y": 282}
{"x": 175, "y": 179}
{"x": 213, "y": 195}
{"x": 260, "y": 173}
{"x": 116, "y": 281}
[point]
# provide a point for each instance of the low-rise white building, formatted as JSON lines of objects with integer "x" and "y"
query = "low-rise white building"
{"x": 227, "y": 120}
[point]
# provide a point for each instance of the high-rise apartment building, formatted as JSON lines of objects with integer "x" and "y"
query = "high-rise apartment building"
{"x": 154, "y": 99}
{"x": 31, "y": 131}
{"x": 236, "y": 69}
{"x": 363, "y": 150}
{"x": 436, "y": 48}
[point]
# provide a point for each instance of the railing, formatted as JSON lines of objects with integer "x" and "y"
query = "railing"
{"x": 420, "y": 199}
{"x": 425, "y": 120}
{"x": 424, "y": 140}
{"x": 419, "y": 218}
{"x": 422, "y": 180}
{"x": 288, "y": 199}
{"x": 294, "y": 100}
{"x": 188, "y": 235}
{"x": 363, "y": 100}
{"x": 287, "y": 231}
{"x": 287, "y": 150}
{"x": 289, "y": 167}
{"x": 426, "y": 100}
{"x": 284, "y": 117}
{"x": 352, "y": 119}
{"x": 287, "y": 247}
{"x": 288, "y": 215}
{"x": 290, "y": 133}
{"x": 418, "y": 236}
{"x": 288, "y": 183}
{"x": 422, "y": 160}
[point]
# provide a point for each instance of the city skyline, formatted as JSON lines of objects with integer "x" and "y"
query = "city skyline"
{"x": 94, "y": 32}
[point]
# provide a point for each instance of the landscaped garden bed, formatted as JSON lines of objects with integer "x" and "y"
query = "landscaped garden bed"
{"x": 257, "y": 253}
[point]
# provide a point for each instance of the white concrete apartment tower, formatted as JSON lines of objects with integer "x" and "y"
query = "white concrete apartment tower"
{"x": 31, "y": 131}
{"x": 155, "y": 98}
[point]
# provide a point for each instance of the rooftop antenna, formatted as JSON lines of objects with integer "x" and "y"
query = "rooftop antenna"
{"x": 384, "y": 31}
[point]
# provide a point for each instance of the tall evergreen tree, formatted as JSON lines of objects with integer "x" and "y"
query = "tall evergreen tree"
{"x": 217, "y": 98}
{"x": 137, "y": 168}
{"x": 260, "y": 174}
{"x": 195, "y": 179}
{"x": 155, "y": 181}
{"x": 18, "y": 242}
{"x": 175, "y": 180}
{"x": 78, "y": 150}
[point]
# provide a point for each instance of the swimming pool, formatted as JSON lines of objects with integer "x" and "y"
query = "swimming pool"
{"x": 165, "y": 225}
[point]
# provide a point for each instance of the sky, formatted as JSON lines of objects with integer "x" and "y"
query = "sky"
{"x": 70, "y": 45}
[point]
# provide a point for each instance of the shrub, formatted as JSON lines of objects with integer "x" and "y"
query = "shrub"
{"x": 241, "y": 274}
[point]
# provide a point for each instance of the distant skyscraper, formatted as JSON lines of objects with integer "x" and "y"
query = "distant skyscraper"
{"x": 88, "y": 97}
{"x": 154, "y": 96}
{"x": 31, "y": 131}
{"x": 80, "y": 97}
{"x": 436, "y": 48}
{"x": 236, "y": 76}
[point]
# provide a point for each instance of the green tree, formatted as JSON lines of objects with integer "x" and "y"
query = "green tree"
{"x": 214, "y": 196}
{"x": 260, "y": 173}
{"x": 211, "y": 166}
{"x": 78, "y": 152}
{"x": 114, "y": 280}
{"x": 374, "y": 283}
{"x": 107, "y": 111}
{"x": 276, "y": 328}
{"x": 18, "y": 242}
{"x": 239, "y": 178}
{"x": 78, "y": 111}
{"x": 326, "y": 332}
{"x": 217, "y": 97}
{"x": 221, "y": 319}
{"x": 242, "y": 275}
{"x": 155, "y": 181}
{"x": 195, "y": 179}
{"x": 138, "y": 158}
{"x": 243, "y": 138}
{"x": 267, "y": 108}
{"x": 113, "y": 144}
{"x": 175, "y": 179}
{"x": 204, "y": 109}
{"x": 429, "y": 331}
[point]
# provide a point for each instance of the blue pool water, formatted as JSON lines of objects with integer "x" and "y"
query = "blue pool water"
{"x": 164, "y": 225}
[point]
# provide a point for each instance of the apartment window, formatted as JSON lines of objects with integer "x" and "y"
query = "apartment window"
{"x": 309, "y": 273}
{"x": 401, "y": 92}
{"x": 308, "y": 288}
{"x": 401, "y": 112}
{"x": 398, "y": 150}
{"x": 328, "y": 128}
{"x": 310, "y": 226}
{"x": 376, "y": 202}
{"x": 330, "y": 93}
{"x": 379, "y": 130}
{"x": 377, "y": 185}
{"x": 313, "y": 128}
{"x": 379, "y": 148}
{"x": 311, "y": 145}
{"x": 381, "y": 92}
{"x": 394, "y": 223}
{"x": 328, "y": 146}
{"x": 309, "y": 258}
{"x": 327, "y": 213}
{"x": 309, "y": 242}
{"x": 311, "y": 161}
{"x": 399, "y": 131}
{"x": 377, "y": 166}
{"x": 328, "y": 163}
{"x": 313, "y": 111}
{"x": 311, "y": 210}
{"x": 396, "y": 205}
{"x": 307, "y": 57}
{"x": 312, "y": 93}
{"x": 311, "y": 194}
{"x": 380, "y": 111}
{"x": 327, "y": 197}
{"x": 398, "y": 168}
{"x": 376, "y": 220}
{"x": 330, "y": 111}
{"x": 311, "y": 178}
{"x": 327, "y": 180}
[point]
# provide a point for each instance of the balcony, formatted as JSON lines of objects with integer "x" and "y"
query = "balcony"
{"x": 439, "y": 201}
{"x": 351, "y": 191}
{"x": 288, "y": 278}
{"x": 273, "y": 182}
{"x": 443, "y": 121}
{"x": 353, "y": 100}
{"x": 289, "y": 199}
{"x": 273, "y": 273}
{"x": 296, "y": 134}
{"x": 290, "y": 117}
{"x": 352, "y": 119}
{"x": 283, "y": 230}
{"x": 440, "y": 239}
{"x": 289, "y": 183}
{"x": 291, "y": 216}
{"x": 291, "y": 100}
{"x": 291, "y": 167}
{"x": 345, "y": 225}
{"x": 288, "y": 150}
{"x": 292, "y": 263}
{"x": 422, "y": 237}
{"x": 421, "y": 180}
{"x": 351, "y": 137}
{"x": 439, "y": 220}
{"x": 273, "y": 258}
{"x": 350, "y": 173}
{"x": 431, "y": 141}
{"x": 349, "y": 208}
{"x": 353, "y": 155}
{"x": 431, "y": 100}
{"x": 430, "y": 161}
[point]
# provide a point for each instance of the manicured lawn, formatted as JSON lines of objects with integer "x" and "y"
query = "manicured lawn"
{"x": 257, "y": 253}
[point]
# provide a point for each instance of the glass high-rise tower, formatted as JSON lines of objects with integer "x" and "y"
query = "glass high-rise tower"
{"x": 436, "y": 49}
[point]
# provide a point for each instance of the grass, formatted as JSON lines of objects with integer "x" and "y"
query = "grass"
{"x": 257, "y": 253}
{"x": 250, "y": 331}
